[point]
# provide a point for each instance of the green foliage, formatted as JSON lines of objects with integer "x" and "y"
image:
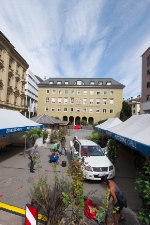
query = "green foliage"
{"x": 83, "y": 122}
{"x": 113, "y": 147}
{"x": 101, "y": 121}
{"x": 45, "y": 135}
{"x": 143, "y": 187}
{"x": 94, "y": 137}
{"x": 74, "y": 197}
{"x": 126, "y": 111}
{"x": 56, "y": 117}
{"x": 32, "y": 135}
{"x": 48, "y": 198}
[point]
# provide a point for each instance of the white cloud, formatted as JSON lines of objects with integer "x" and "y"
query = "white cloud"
{"x": 84, "y": 38}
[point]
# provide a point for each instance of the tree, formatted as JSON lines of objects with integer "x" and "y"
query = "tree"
{"x": 32, "y": 135}
{"x": 126, "y": 112}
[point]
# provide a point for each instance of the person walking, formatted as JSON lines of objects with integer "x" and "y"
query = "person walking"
{"x": 32, "y": 156}
{"x": 119, "y": 199}
{"x": 63, "y": 146}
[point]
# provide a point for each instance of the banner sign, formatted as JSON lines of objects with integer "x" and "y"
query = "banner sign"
{"x": 18, "y": 129}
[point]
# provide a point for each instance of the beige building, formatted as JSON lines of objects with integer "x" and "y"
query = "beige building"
{"x": 135, "y": 103}
{"x": 12, "y": 76}
{"x": 73, "y": 100}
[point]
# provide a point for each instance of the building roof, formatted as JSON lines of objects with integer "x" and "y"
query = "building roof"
{"x": 145, "y": 51}
{"x": 85, "y": 82}
{"x": 39, "y": 78}
{"x": 5, "y": 39}
{"x": 45, "y": 119}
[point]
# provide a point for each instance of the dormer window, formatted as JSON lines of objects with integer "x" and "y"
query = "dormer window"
{"x": 66, "y": 82}
{"x": 51, "y": 82}
{"x": 100, "y": 83}
{"x": 108, "y": 83}
{"x": 58, "y": 82}
{"x": 79, "y": 82}
{"x": 92, "y": 82}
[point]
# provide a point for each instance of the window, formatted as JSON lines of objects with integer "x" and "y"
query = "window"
{"x": 108, "y": 83}
{"x": 59, "y": 100}
{"x": 72, "y": 92}
{"x": 71, "y": 109}
{"x": 65, "y": 109}
{"x": 105, "y": 93}
{"x": 78, "y": 92}
{"x": 66, "y": 92}
{"x": 53, "y": 100}
{"x": 47, "y": 91}
{"x": 92, "y": 82}
{"x": 58, "y": 82}
{"x": 47, "y": 100}
{"x": 46, "y": 109}
{"x": 98, "y": 101}
{"x": 148, "y": 72}
{"x": 79, "y": 82}
{"x": 100, "y": 83}
{"x": 59, "y": 92}
{"x": 148, "y": 97}
{"x": 77, "y": 110}
{"x": 91, "y": 92}
{"x": 84, "y": 110}
{"x": 97, "y": 110}
{"x": 104, "y": 101}
{"x": 111, "y": 101}
{"x": 111, "y": 111}
{"x": 91, "y": 110}
{"x": 85, "y": 92}
{"x": 133, "y": 106}
{"x": 65, "y": 100}
{"x": 71, "y": 100}
{"x": 53, "y": 92}
{"x": 148, "y": 60}
{"x": 148, "y": 85}
{"x": 53, "y": 109}
{"x": 104, "y": 110}
{"x": 98, "y": 93}
{"x": 66, "y": 82}
{"x": 111, "y": 92}
{"x": 84, "y": 101}
{"x": 59, "y": 109}
{"x": 51, "y": 82}
{"x": 91, "y": 101}
{"x": 133, "y": 111}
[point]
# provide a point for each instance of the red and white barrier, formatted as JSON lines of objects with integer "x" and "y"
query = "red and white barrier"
{"x": 31, "y": 215}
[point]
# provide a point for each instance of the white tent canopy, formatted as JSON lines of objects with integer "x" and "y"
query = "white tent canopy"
{"x": 12, "y": 121}
{"x": 134, "y": 132}
{"x": 111, "y": 122}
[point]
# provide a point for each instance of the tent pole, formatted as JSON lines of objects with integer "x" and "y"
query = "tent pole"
{"x": 24, "y": 147}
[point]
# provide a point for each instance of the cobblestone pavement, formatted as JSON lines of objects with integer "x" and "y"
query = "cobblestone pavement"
{"x": 16, "y": 180}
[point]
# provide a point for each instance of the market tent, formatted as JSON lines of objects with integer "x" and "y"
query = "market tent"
{"x": 134, "y": 132}
{"x": 12, "y": 121}
{"x": 111, "y": 122}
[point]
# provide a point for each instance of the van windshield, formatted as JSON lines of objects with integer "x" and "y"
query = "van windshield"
{"x": 91, "y": 151}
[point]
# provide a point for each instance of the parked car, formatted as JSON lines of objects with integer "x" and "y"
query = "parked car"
{"x": 96, "y": 163}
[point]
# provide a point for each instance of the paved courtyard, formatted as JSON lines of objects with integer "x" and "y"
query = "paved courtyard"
{"x": 16, "y": 179}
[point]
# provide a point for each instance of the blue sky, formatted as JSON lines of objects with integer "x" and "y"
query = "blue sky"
{"x": 80, "y": 38}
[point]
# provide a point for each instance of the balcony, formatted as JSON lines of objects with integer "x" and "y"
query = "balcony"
{"x": 10, "y": 73}
{"x": 9, "y": 89}
{"x": 1, "y": 64}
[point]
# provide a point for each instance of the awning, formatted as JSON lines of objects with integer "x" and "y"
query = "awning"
{"x": 12, "y": 121}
